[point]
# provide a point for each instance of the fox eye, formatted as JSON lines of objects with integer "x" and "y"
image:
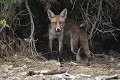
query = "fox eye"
{"x": 61, "y": 22}
{"x": 54, "y": 23}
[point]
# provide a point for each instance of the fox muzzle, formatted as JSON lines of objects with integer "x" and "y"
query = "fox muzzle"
{"x": 58, "y": 30}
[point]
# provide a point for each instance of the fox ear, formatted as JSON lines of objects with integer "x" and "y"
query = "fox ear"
{"x": 50, "y": 14}
{"x": 64, "y": 13}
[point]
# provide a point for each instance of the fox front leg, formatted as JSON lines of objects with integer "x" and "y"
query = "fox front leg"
{"x": 60, "y": 40}
{"x": 50, "y": 45}
{"x": 50, "y": 48}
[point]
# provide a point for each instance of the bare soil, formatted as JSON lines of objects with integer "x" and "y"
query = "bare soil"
{"x": 19, "y": 67}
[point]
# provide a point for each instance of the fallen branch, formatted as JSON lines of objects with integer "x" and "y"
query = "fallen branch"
{"x": 85, "y": 75}
{"x": 105, "y": 77}
{"x": 46, "y": 72}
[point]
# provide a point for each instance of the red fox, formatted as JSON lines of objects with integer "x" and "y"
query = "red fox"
{"x": 61, "y": 26}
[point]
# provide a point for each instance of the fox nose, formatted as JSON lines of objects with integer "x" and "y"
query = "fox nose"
{"x": 58, "y": 29}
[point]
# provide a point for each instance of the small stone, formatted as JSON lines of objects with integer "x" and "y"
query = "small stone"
{"x": 5, "y": 68}
{"x": 38, "y": 77}
{"x": 4, "y": 74}
{"x": 27, "y": 60}
{"x": 24, "y": 67}
{"x": 118, "y": 64}
{"x": 13, "y": 78}
{"x": 28, "y": 78}
{"x": 11, "y": 72}
{"x": 10, "y": 66}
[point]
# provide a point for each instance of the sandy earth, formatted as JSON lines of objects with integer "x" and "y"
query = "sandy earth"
{"x": 31, "y": 68}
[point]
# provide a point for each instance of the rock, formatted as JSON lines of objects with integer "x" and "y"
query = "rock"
{"x": 11, "y": 66}
{"x": 22, "y": 73}
{"x": 13, "y": 78}
{"x": 35, "y": 77}
{"x": 11, "y": 72}
{"x": 1, "y": 78}
{"x": 24, "y": 67}
{"x": 27, "y": 61}
{"x": 73, "y": 64}
{"x": 28, "y": 78}
{"x": 38, "y": 77}
{"x": 5, "y": 68}
{"x": 4, "y": 75}
{"x": 118, "y": 64}
{"x": 112, "y": 58}
{"x": 64, "y": 76}
{"x": 77, "y": 77}
{"x": 118, "y": 76}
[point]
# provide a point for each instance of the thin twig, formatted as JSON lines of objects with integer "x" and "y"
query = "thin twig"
{"x": 73, "y": 4}
{"x": 97, "y": 19}
{"x": 32, "y": 41}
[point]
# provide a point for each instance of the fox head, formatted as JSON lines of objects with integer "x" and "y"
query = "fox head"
{"x": 57, "y": 21}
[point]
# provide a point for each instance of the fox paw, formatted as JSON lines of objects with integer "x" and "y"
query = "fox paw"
{"x": 90, "y": 60}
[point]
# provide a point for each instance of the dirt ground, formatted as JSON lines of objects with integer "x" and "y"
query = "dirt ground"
{"x": 17, "y": 67}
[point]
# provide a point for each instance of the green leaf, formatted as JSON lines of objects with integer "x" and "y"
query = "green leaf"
{"x": 4, "y": 23}
{"x": 6, "y": 7}
{"x": 3, "y": 13}
{"x": 19, "y": 1}
{"x": 1, "y": 1}
{"x": 7, "y": 3}
{"x": 15, "y": 1}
